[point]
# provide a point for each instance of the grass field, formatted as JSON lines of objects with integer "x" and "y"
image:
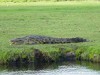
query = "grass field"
{"x": 41, "y": 0}
{"x": 52, "y": 19}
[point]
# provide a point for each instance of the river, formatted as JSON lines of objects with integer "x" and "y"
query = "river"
{"x": 64, "y": 68}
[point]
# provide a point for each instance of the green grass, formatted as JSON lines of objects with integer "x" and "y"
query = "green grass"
{"x": 42, "y": 0}
{"x": 51, "y": 19}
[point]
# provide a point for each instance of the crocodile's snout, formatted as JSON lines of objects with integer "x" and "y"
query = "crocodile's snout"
{"x": 17, "y": 41}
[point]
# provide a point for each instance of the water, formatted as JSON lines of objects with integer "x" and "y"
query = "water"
{"x": 65, "y": 68}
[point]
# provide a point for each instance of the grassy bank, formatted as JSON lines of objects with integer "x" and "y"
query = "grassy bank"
{"x": 56, "y": 20}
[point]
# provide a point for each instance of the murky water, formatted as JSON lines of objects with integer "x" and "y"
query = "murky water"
{"x": 65, "y": 68}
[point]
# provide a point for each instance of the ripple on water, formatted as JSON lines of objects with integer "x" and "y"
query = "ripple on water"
{"x": 61, "y": 70}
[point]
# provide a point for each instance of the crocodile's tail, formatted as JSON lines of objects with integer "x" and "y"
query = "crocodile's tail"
{"x": 67, "y": 40}
{"x": 76, "y": 40}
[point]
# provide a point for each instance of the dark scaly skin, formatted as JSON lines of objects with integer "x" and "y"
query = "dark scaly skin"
{"x": 36, "y": 39}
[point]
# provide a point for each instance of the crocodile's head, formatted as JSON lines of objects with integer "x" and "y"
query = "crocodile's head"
{"x": 17, "y": 41}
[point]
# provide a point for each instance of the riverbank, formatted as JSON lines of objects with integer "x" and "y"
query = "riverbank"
{"x": 63, "y": 21}
{"x": 50, "y": 54}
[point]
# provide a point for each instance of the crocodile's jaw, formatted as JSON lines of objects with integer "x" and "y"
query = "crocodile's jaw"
{"x": 16, "y": 42}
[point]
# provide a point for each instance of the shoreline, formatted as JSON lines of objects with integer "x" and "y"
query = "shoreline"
{"x": 72, "y": 53}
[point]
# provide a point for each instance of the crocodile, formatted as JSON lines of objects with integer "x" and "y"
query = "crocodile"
{"x": 38, "y": 39}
